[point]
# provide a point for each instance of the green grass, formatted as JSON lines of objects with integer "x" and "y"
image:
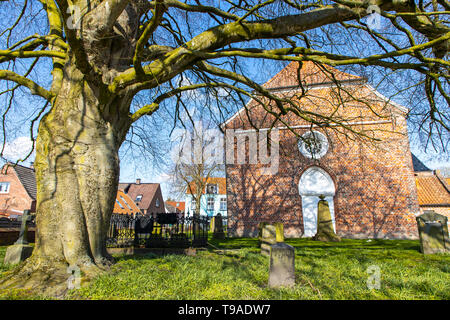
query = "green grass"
{"x": 238, "y": 271}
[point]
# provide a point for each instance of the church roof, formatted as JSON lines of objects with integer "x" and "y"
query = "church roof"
{"x": 418, "y": 165}
{"x": 432, "y": 190}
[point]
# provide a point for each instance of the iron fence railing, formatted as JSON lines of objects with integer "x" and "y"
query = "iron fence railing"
{"x": 160, "y": 231}
{"x": 6, "y": 223}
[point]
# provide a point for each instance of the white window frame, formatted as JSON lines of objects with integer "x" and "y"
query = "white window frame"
{"x": 2, "y": 185}
{"x": 223, "y": 204}
{"x": 140, "y": 198}
{"x": 209, "y": 201}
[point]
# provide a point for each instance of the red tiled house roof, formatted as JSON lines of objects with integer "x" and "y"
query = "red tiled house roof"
{"x": 180, "y": 205}
{"x": 125, "y": 205}
{"x": 221, "y": 183}
{"x": 147, "y": 196}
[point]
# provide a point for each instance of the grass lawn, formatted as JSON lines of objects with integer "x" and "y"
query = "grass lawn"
{"x": 238, "y": 271}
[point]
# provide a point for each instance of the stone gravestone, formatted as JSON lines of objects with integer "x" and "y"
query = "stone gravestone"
{"x": 211, "y": 224}
{"x": 20, "y": 250}
{"x": 218, "y": 227}
{"x": 282, "y": 265}
{"x": 325, "y": 230}
{"x": 270, "y": 234}
{"x": 433, "y": 233}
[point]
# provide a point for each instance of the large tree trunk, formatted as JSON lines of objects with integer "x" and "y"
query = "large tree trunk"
{"x": 77, "y": 172}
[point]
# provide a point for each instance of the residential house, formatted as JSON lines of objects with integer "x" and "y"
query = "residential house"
{"x": 125, "y": 205}
{"x": 433, "y": 189}
{"x": 178, "y": 205}
{"x": 147, "y": 196}
{"x": 17, "y": 190}
{"x": 175, "y": 207}
{"x": 213, "y": 199}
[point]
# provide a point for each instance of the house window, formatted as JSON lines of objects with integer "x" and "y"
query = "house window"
{"x": 4, "y": 187}
{"x": 211, "y": 189}
{"x": 210, "y": 204}
{"x": 223, "y": 204}
{"x": 139, "y": 198}
{"x": 157, "y": 203}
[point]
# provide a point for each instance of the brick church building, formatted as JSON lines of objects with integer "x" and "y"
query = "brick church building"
{"x": 357, "y": 156}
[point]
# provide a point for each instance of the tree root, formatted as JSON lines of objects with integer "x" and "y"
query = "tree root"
{"x": 50, "y": 278}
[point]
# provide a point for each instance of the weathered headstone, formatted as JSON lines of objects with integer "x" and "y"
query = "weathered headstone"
{"x": 433, "y": 232}
{"x": 282, "y": 265}
{"x": 218, "y": 227}
{"x": 270, "y": 234}
{"x": 211, "y": 224}
{"x": 325, "y": 230}
{"x": 20, "y": 250}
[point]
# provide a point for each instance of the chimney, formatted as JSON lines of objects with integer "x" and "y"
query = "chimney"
{"x": 138, "y": 181}
{"x": 32, "y": 165}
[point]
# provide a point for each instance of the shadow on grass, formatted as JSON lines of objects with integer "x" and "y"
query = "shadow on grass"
{"x": 373, "y": 244}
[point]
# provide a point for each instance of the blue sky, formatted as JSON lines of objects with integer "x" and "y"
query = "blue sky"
{"x": 145, "y": 164}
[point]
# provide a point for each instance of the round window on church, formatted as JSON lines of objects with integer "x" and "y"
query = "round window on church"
{"x": 313, "y": 145}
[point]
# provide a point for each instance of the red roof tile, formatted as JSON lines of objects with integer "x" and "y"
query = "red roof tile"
{"x": 431, "y": 191}
{"x": 147, "y": 190}
{"x": 221, "y": 182}
{"x": 124, "y": 204}
{"x": 177, "y": 204}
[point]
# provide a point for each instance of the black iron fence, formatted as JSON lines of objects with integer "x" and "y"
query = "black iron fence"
{"x": 160, "y": 231}
{"x": 6, "y": 223}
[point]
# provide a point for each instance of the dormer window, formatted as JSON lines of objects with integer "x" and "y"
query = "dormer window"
{"x": 138, "y": 198}
{"x": 4, "y": 187}
{"x": 211, "y": 189}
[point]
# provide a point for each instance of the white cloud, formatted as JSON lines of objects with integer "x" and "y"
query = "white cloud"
{"x": 18, "y": 149}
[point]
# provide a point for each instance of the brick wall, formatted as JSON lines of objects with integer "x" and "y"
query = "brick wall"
{"x": 375, "y": 196}
{"x": 17, "y": 199}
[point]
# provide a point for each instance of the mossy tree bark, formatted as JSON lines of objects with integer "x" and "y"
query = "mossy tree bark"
{"x": 77, "y": 172}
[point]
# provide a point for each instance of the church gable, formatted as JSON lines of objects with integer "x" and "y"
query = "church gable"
{"x": 327, "y": 97}
{"x": 368, "y": 183}
{"x": 309, "y": 74}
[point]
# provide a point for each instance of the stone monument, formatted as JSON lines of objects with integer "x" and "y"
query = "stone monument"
{"x": 325, "y": 230}
{"x": 282, "y": 265}
{"x": 270, "y": 234}
{"x": 218, "y": 227}
{"x": 20, "y": 250}
{"x": 433, "y": 232}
